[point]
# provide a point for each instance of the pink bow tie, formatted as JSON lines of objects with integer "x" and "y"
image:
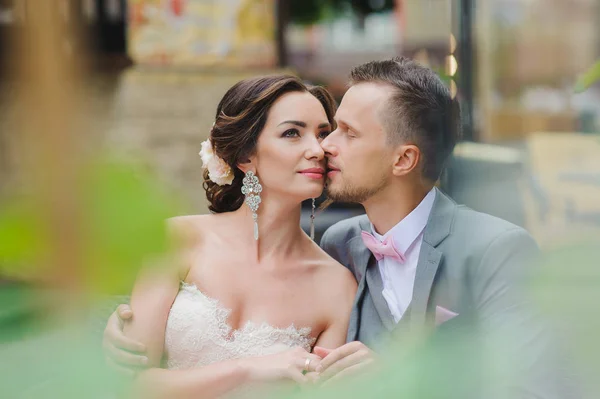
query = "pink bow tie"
{"x": 381, "y": 249}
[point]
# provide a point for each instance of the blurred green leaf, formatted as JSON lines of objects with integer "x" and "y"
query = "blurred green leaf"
{"x": 21, "y": 234}
{"x": 123, "y": 212}
{"x": 568, "y": 289}
{"x": 17, "y": 311}
{"x": 306, "y": 12}
{"x": 309, "y": 12}
{"x": 588, "y": 78}
{"x": 127, "y": 209}
{"x": 61, "y": 363}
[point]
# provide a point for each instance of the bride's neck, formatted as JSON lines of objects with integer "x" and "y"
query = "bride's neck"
{"x": 278, "y": 226}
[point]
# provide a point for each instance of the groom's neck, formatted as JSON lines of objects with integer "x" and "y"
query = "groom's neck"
{"x": 388, "y": 207}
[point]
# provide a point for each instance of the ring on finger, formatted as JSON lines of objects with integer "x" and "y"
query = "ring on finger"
{"x": 307, "y": 364}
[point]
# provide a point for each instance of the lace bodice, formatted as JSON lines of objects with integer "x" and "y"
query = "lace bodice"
{"x": 197, "y": 333}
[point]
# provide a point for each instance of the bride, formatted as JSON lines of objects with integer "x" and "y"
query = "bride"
{"x": 248, "y": 294}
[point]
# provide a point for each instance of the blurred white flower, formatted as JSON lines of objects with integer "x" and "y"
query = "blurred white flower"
{"x": 218, "y": 170}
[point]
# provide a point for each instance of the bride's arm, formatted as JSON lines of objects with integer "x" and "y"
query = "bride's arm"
{"x": 341, "y": 299}
{"x": 211, "y": 381}
{"x": 151, "y": 301}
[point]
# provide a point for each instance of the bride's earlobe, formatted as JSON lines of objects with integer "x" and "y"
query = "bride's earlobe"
{"x": 246, "y": 165}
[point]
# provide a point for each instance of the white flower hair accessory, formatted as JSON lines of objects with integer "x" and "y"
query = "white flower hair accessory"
{"x": 218, "y": 170}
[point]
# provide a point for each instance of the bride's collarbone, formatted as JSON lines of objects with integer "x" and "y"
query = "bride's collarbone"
{"x": 236, "y": 261}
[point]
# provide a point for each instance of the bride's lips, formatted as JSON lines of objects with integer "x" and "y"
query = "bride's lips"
{"x": 313, "y": 173}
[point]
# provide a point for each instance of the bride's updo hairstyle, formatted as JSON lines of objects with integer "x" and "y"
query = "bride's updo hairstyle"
{"x": 241, "y": 116}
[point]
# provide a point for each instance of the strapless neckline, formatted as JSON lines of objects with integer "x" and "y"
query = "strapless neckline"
{"x": 198, "y": 334}
{"x": 249, "y": 325}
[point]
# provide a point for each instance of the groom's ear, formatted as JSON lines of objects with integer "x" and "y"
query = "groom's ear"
{"x": 406, "y": 159}
{"x": 321, "y": 352}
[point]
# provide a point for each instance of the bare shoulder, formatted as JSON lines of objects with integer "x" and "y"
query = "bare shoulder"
{"x": 188, "y": 230}
{"x": 185, "y": 235}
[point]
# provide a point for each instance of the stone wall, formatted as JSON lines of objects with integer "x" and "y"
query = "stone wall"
{"x": 159, "y": 116}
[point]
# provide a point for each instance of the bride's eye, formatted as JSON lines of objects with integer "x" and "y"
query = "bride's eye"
{"x": 324, "y": 134}
{"x": 291, "y": 133}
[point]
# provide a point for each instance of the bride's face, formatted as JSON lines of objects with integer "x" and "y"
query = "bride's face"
{"x": 289, "y": 160}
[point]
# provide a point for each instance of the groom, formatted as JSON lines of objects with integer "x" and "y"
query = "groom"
{"x": 419, "y": 258}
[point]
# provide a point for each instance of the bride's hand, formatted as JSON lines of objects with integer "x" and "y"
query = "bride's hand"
{"x": 288, "y": 365}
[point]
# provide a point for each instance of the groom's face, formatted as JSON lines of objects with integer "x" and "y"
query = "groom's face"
{"x": 359, "y": 156}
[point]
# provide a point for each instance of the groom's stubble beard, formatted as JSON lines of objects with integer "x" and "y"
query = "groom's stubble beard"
{"x": 350, "y": 193}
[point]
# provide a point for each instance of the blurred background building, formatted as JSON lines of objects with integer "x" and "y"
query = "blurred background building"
{"x": 157, "y": 69}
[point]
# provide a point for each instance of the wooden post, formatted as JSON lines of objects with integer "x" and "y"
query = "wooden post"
{"x": 282, "y": 8}
{"x": 485, "y": 71}
{"x": 47, "y": 144}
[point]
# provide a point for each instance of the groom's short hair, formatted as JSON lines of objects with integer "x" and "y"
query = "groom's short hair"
{"x": 421, "y": 110}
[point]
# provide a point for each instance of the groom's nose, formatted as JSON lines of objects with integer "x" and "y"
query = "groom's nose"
{"x": 329, "y": 146}
{"x": 315, "y": 151}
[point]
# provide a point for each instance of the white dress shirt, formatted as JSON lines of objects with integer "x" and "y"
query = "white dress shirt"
{"x": 399, "y": 278}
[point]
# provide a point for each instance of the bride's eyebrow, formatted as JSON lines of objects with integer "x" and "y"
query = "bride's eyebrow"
{"x": 297, "y": 123}
{"x": 302, "y": 124}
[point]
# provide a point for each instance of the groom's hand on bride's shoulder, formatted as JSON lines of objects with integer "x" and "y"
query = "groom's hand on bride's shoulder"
{"x": 122, "y": 354}
{"x": 345, "y": 360}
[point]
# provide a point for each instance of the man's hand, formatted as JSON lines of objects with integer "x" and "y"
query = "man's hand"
{"x": 122, "y": 354}
{"x": 343, "y": 361}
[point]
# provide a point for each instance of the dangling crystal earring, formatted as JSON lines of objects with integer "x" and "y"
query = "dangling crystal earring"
{"x": 251, "y": 189}
{"x": 312, "y": 221}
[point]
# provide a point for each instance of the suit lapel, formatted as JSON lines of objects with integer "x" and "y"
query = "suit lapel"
{"x": 355, "y": 315}
{"x": 374, "y": 281}
{"x": 375, "y": 284}
{"x": 360, "y": 258}
{"x": 437, "y": 229}
{"x": 429, "y": 262}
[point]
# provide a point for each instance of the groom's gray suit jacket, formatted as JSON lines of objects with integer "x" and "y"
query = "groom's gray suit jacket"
{"x": 470, "y": 263}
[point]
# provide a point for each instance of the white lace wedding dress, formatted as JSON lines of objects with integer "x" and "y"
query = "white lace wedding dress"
{"x": 197, "y": 333}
